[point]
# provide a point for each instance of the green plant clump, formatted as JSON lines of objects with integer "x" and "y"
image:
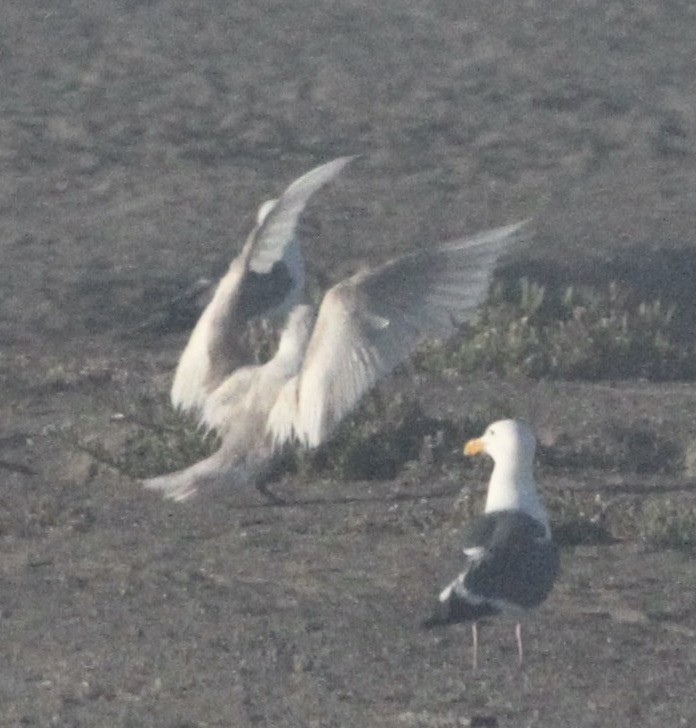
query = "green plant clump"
{"x": 376, "y": 441}
{"x": 150, "y": 452}
{"x": 161, "y": 443}
{"x": 576, "y": 521}
{"x": 664, "y": 524}
{"x": 577, "y": 333}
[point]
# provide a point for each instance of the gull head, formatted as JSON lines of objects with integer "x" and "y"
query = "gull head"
{"x": 511, "y": 444}
{"x": 265, "y": 208}
{"x": 505, "y": 440}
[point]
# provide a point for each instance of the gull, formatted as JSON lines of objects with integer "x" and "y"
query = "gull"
{"x": 266, "y": 278}
{"x": 511, "y": 560}
{"x": 365, "y": 326}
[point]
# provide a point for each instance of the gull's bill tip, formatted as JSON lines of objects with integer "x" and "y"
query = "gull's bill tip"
{"x": 474, "y": 447}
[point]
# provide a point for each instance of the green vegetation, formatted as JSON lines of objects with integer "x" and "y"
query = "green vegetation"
{"x": 666, "y": 524}
{"x": 657, "y": 522}
{"x": 153, "y": 452}
{"x": 576, "y": 520}
{"x": 388, "y": 434}
{"x": 528, "y": 330}
{"x": 380, "y": 438}
{"x": 161, "y": 441}
{"x": 625, "y": 448}
{"x": 576, "y": 333}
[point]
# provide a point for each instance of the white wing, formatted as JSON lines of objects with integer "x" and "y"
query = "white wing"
{"x": 278, "y": 218}
{"x": 370, "y": 322}
{"x": 267, "y": 275}
{"x": 224, "y": 407}
{"x": 214, "y": 347}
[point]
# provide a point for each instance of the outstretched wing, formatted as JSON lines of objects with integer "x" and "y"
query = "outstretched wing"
{"x": 267, "y": 275}
{"x": 370, "y": 322}
{"x": 275, "y": 269}
{"x": 278, "y": 218}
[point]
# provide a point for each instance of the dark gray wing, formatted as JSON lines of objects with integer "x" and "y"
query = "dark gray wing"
{"x": 478, "y": 532}
{"x": 519, "y": 565}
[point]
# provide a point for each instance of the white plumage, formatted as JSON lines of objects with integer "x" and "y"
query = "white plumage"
{"x": 511, "y": 444}
{"x": 266, "y": 278}
{"x": 365, "y": 326}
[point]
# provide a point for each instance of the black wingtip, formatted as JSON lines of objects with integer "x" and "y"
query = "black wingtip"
{"x": 456, "y": 610}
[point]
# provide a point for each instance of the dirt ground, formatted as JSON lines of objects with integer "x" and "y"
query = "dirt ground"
{"x": 137, "y": 138}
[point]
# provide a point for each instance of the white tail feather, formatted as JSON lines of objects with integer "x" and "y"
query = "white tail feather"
{"x": 220, "y": 469}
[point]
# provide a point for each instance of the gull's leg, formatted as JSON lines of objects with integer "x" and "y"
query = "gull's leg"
{"x": 474, "y": 644}
{"x": 518, "y": 637}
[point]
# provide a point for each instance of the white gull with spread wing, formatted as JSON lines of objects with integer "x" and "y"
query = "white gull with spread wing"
{"x": 365, "y": 326}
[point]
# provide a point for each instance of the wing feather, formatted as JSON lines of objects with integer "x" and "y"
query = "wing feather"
{"x": 276, "y": 231}
{"x": 369, "y": 323}
{"x": 268, "y": 274}
{"x": 519, "y": 565}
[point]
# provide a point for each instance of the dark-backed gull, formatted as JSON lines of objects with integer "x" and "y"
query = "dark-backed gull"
{"x": 511, "y": 560}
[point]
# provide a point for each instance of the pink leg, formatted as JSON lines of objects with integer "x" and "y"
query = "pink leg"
{"x": 518, "y": 636}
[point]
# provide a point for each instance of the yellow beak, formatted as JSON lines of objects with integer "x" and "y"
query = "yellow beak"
{"x": 474, "y": 447}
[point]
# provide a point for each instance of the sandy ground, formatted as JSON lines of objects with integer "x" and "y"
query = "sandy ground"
{"x": 137, "y": 138}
